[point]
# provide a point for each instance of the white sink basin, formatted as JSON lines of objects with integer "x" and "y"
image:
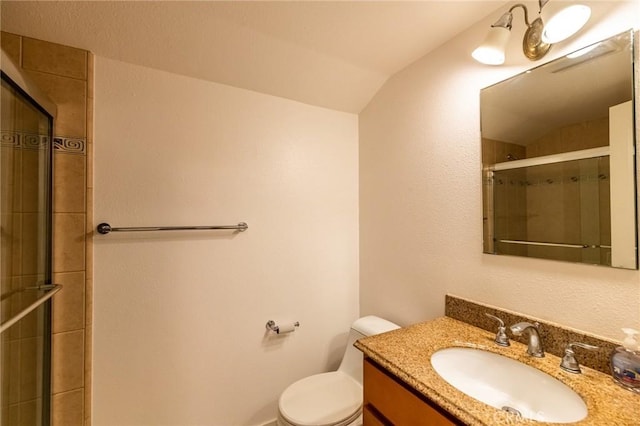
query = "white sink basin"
{"x": 507, "y": 384}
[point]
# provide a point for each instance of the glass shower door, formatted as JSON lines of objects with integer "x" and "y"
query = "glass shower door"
{"x": 560, "y": 210}
{"x": 25, "y": 258}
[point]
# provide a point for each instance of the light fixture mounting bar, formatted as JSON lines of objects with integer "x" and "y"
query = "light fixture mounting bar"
{"x": 526, "y": 12}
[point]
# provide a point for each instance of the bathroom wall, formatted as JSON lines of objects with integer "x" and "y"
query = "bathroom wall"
{"x": 421, "y": 202}
{"x": 65, "y": 75}
{"x": 179, "y": 317}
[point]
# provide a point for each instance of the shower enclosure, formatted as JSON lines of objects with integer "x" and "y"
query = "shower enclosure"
{"x": 25, "y": 250}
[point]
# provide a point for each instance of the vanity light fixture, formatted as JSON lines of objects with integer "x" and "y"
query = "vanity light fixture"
{"x": 562, "y": 22}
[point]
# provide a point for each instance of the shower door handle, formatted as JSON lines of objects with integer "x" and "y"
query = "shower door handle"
{"x": 52, "y": 289}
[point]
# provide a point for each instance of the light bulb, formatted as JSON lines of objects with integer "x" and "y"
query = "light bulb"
{"x": 491, "y": 51}
{"x": 563, "y": 22}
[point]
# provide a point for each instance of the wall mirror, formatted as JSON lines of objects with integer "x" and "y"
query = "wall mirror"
{"x": 558, "y": 158}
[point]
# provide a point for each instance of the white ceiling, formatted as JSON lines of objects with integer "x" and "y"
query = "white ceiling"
{"x": 334, "y": 54}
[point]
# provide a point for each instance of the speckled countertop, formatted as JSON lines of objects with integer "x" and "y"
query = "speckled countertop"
{"x": 406, "y": 353}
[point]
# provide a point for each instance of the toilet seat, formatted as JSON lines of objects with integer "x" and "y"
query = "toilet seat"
{"x": 327, "y": 399}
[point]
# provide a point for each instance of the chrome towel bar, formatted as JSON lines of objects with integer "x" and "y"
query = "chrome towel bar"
{"x": 541, "y": 243}
{"x": 105, "y": 228}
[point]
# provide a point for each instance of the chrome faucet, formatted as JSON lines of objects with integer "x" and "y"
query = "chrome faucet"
{"x": 501, "y": 336}
{"x": 569, "y": 362}
{"x": 535, "y": 343}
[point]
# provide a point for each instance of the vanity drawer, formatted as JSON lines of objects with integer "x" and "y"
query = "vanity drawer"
{"x": 387, "y": 401}
{"x": 372, "y": 418}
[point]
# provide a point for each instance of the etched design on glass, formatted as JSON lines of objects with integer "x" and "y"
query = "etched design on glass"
{"x": 23, "y": 140}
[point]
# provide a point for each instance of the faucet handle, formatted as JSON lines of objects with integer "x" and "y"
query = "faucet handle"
{"x": 501, "y": 336}
{"x": 569, "y": 362}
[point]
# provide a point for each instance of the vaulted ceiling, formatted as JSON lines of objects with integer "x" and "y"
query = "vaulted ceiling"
{"x": 334, "y": 54}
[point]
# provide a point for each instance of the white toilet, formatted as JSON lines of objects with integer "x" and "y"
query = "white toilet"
{"x": 335, "y": 398}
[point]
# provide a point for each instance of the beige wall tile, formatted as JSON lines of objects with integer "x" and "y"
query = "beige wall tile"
{"x": 17, "y": 306}
{"x": 14, "y": 415}
{"x": 11, "y": 257}
{"x": 89, "y": 252}
{"x": 16, "y": 244}
{"x": 29, "y": 363}
{"x": 28, "y": 413}
{"x": 38, "y": 55}
{"x": 29, "y": 326}
{"x": 90, "y": 72}
{"x": 5, "y": 304}
{"x": 69, "y": 183}
{"x": 88, "y": 356}
{"x": 29, "y": 243}
{"x": 4, "y": 415}
{"x": 8, "y": 170}
{"x": 88, "y": 321}
{"x": 14, "y": 175}
{"x": 70, "y": 97}
{"x": 67, "y": 360}
{"x": 90, "y": 227}
{"x": 87, "y": 408}
{"x": 68, "y": 242}
{"x": 68, "y": 304}
{"x": 67, "y": 408}
{"x": 89, "y": 168}
{"x": 11, "y": 45}
{"x": 11, "y": 376}
{"x": 90, "y": 105}
{"x": 31, "y": 162}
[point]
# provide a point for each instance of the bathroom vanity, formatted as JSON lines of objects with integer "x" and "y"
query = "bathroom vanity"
{"x": 388, "y": 400}
{"x": 401, "y": 387}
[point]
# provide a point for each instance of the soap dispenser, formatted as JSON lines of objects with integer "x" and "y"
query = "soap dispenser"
{"x": 625, "y": 361}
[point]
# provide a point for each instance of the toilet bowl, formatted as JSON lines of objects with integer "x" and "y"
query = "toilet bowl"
{"x": 334, "y": 398}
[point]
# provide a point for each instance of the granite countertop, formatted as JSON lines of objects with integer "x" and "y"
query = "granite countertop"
{"x": 406, "y": 353}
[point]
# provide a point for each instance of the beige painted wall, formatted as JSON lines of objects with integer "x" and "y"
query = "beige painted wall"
{"x": 421, "y": 203}
{"x": 179, "y": 318}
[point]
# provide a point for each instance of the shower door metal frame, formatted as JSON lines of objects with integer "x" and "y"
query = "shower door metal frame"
{"x": 21, "y": 83}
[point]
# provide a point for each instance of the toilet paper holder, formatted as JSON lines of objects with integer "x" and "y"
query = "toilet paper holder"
{"x": 286, "y": 328}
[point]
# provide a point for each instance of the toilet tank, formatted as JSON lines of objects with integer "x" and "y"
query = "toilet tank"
{"x": 366, "y": 326}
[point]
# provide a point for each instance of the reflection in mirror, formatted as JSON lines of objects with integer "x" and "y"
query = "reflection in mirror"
{"x": 558, "y": 157}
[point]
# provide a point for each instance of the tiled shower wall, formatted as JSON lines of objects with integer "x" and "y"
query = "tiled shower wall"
{"x": 65, "y": 74}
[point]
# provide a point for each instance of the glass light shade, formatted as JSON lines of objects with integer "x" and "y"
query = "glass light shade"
{"x": 491, "y": 51}
{"x": 563, "y": 21}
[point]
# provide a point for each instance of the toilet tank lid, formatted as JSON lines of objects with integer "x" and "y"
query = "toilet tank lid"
{"x": 372, "y": 324}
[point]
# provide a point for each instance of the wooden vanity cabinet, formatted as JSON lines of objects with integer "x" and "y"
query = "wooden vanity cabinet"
{"x": 388, "y": 401}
